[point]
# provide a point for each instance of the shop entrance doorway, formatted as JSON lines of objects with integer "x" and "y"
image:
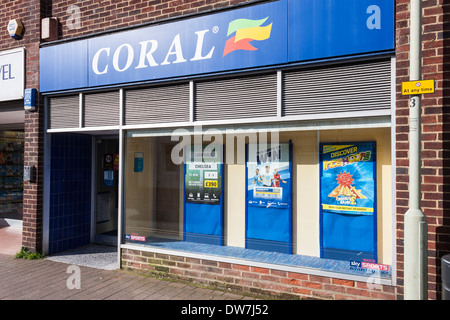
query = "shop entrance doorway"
{"x": 106, "y": 190}
{"x": 11, "y": 187}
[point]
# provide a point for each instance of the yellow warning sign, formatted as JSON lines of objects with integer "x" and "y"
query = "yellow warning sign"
{"x": 417, "y": 87}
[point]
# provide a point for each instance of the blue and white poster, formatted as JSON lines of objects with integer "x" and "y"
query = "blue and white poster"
{"x": 348, "y": 200}
{"x": 269, "y": 185}
{"x": 108, "y": 170}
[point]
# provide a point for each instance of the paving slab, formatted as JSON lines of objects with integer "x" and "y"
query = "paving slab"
{"x": 46, "y": 279}
{"x": 10, "y": 237}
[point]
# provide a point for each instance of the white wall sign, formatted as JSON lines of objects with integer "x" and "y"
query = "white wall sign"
{"x": 12, "y": 70}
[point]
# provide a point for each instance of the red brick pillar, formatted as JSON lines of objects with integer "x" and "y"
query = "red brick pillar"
{"x": 34, "y": 142}
{"x": 33, "y": 190}
{"x": 435, "y": 124}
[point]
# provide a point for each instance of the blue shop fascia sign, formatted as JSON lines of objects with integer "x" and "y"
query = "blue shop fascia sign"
{"x": 262, "y": 35}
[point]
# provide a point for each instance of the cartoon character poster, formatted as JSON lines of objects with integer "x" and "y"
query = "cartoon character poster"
{"x": 348, "y": 200}
{"x": 348, "y": 178}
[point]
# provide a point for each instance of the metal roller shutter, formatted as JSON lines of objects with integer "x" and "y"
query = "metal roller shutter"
{"x": 236, "y": 98}
{"x": 157, "y": 104}
{"x": 64, "y": 112}
{"x": 101, "y": 109}
{"x": 344, "y": 88}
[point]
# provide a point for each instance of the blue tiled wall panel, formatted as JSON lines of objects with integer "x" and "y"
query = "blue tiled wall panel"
{"x": 70, "y": 191}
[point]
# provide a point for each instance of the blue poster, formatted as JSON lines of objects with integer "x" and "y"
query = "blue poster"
{"x": 269, "y": 184}
{"x": 203, "y": 205}
{"x": 268, "y": 180}
{"x": 348, "y": 200}
{"x": 138, "y": 162}
{"x": 108, "y": 170}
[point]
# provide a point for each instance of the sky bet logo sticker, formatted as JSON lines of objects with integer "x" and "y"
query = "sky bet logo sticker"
{"x": 246, "y": 31}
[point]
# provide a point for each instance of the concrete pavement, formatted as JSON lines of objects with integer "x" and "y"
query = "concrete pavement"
{"x": 49, "y": 280}
{"x": 10, "y": 236}
{"x": 52, "y": 278}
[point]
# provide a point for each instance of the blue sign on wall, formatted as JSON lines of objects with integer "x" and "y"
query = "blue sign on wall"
{"x": 272, "y": 33}
{"x": 331, "y": 28}
{"x": 63, "y": 66}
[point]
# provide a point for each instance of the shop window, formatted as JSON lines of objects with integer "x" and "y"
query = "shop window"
{"x": 312, "y": 199}
{"x": 153, "y": 184}
{"x": 11, "y": 174}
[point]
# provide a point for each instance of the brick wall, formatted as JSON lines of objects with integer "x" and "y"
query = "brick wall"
{"x": 252, "y": 280}
{"x": 29, "y": 12}
{"x": 104, "y": 15}
{"x": 435, "y": 138}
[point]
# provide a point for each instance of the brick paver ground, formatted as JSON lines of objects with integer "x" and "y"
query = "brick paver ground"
{"x": 47, "y": 280}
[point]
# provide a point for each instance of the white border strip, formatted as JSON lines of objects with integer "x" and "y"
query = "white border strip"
{"x": 121, "y": 197}
{"x": 310, "y": 126}
{"x": 333, "y": 117}
{"x": 279, "y": 93}
{"x": 47, "y": 183}
{"x": 20, "y": 50}
{"x": 121, "y": 107}
{"x": 191, "y": 101}
{"x": 80, "y": 110}
{"x": 394, "y": 171}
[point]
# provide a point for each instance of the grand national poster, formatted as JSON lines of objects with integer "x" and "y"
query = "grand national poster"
{"x": 348, "y": 200}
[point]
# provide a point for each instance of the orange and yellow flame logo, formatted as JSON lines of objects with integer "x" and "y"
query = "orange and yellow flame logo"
{"x": 246, "y": 31}
{"x": 345, "y": 187}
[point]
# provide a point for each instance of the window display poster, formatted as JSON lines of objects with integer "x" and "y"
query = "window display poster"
{"x": 203, "y": 178}
{"x": 116, "y": 162}
{"x": 138, "y": 162}
{"x": 203, "y": 205}
{"x": 103, "y": 207}
{"x": 108, "y": 173}
{"x": 269, "y": 184}
{"x": 348, "y": 200}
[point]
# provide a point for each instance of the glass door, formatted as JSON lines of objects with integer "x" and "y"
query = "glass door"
{"x": 106, "y": 191}
{"x": 11, "y": 174}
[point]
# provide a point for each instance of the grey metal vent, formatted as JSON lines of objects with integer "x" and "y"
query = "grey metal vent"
{"x": 101, "y": 109}
{"x": 64, "y": 112}
{"x": 344, "y": 88}
{"x": 236, "y": 98}
{"x": 157, "y": 104}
